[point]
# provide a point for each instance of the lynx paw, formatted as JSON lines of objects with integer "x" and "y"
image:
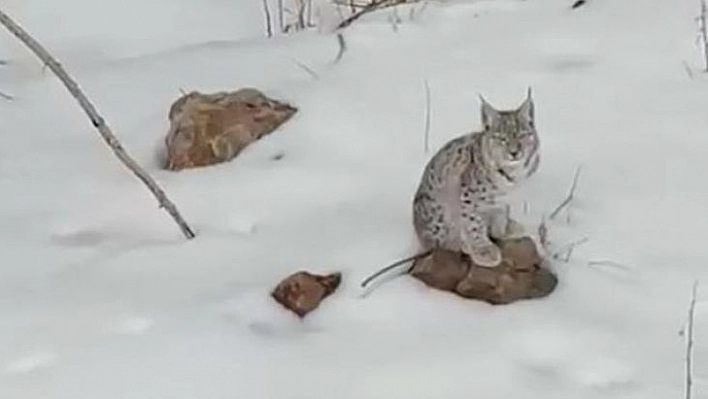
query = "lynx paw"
{"x": 487, "y": 255}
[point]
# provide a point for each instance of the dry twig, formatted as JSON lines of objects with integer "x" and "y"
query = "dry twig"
{"x": 427, "y": 116}
{"x": 96, "y": 119}
{"x": 269, "y": 25}
{"x": 689, "y": 342}
{"x": 342, "y": 46}
{"x": 704, "y": 34}
{"x": 6, "y": 96}
{"x": 570, "y": 196}
{"x": 373, "y": 6}
{"x": 392, "y": 266}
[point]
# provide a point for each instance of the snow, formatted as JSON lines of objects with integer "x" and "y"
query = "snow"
{"x": 101, "y": 297}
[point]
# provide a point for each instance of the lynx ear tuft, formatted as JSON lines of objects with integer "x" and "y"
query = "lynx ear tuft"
{"x": 527, "y": 108}
{"x": 489, "y": 114}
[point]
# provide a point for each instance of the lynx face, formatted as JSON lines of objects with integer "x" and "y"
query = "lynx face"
{"x": 510, "y": 137}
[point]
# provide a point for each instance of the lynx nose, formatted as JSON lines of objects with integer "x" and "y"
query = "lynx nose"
{"x": 515, "y": 154}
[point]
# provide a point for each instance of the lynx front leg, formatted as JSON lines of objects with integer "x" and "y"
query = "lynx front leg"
{"x": 476, "y": 242}
{"x": 502, "y": 226}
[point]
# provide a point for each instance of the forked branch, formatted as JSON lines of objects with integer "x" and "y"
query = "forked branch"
{"x": 96, "y": 119}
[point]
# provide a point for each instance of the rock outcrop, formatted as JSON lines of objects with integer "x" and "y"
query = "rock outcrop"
{"x": 206, "y": 129}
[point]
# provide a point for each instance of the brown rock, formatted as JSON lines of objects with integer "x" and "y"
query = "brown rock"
{"x": 519, "y": 276}
{"x": 206, "y": 129}
{"x": 302, "y": 292}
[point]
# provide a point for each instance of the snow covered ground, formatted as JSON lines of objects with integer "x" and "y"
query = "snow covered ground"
{"x": 100, "y": 296}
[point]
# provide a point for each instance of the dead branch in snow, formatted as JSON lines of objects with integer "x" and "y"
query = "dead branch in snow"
{"x": 570, "y": 196}
{"x": 427, "y": 115}
{"x": 702, "y": 31}
{"x": 96, "y": 119}
{"x": 342, "y": 47}
{"x": 373, "y": 6}
{"x": 689, "y": 342}
{"x": 269, "y": 25}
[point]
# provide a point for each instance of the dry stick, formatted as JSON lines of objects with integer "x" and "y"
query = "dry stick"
{"x": 570, "y": 196}
{"x": 427, "y": 115}
{"x": 6, "y": 96}
{"x": 305, "y": 68}
{"x": 703, "y": 28}
{"x": 97, "y": 120}
{"x": 689, "y": 342}
{"x": 374, "y": 5}
{"x": 281, "y": 24}
{"x": 393, "y": 265}
{"x": 269, "y": 26}
{"x": 570, "y": 248}
{"x": 342, "y": 47}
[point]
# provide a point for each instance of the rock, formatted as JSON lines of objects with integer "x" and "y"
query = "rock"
{"x": 519, "y": 276}
{"x": 206, "y": 129}
{"x": 302, "y": 292}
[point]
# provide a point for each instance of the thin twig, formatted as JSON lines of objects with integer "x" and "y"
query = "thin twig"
{"x": 97, "y": 120}
{"x": 269, "y": 26}
{"x": 342, "y": 46}
{"x": 687, "y": 68}
{"x": 427, "y": 115}
{"x": 543, "y": 233}
{"x": 568, "y": 249}
{"x": 704, "y": 34}
{"x": 6, "y": 96}
{"x": 305, "y": 68}
{"x": 606, "y": 262}
{"x": 570, "y": 196}
{"x": 392, "y": 266}
{"x": 689, "y": 342}
{"x": 281, "y": 24}
{"x": 373, "y": 6}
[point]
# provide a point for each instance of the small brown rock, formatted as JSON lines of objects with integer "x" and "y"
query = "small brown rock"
{"x": 206, "y": 129}
{"x": 302, "y": 292}
{"x": 519, "y": 276}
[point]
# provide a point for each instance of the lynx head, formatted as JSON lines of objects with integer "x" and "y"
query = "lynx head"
{"x": 510, "y": 137}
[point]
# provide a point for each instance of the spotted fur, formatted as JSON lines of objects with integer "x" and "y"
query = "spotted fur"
{"x": 458, "y": 205}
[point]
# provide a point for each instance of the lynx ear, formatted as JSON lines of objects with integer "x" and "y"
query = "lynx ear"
{"x": 526, "y": 109}
{"x": 489, "y": 114}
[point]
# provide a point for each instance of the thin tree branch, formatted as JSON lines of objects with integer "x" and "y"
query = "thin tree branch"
{"x": 704, "y": 34}
{"x": 342, "y": 46}
{"x": 427, "y": 115}
{"x": 6, "y": 96}
{"x": 570, "y": 196}
{"x": 689, "y": 342}
{"x": 373, "y": 6}
{"x": 96, "y": 119}
{"x": 269, "y": 26}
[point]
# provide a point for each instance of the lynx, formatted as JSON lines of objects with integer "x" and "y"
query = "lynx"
{"x": 458, "y": 205}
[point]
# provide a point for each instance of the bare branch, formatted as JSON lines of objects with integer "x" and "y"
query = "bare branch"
{"x": 342, "y": 47}
{"x": 689, "y": 342}
{"x": 427, "y": 116}
{"x": 567, "y": 250}
{"x": 281, "y": 23}
{"x": 6, "y": 96}
{"x": 543, "y": 233}
{"x": 392, "y": 266}
{"x": 97, "y": 120}
{"x": 611, "y": 263}
{"x": 570, "y": 196}
{"x": 704, "y": 35}
{"x": 688, "y": 70}
{"x": 305, "y": 68}
{"x": 373, "y": 6}
{"x": 266, "y": 11}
